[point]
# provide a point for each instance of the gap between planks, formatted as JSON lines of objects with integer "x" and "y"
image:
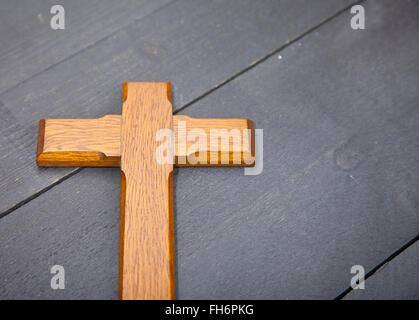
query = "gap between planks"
{"x": 186, "y": 105}
{"x": 381, "y": 265}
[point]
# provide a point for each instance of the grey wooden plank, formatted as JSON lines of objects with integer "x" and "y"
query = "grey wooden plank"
{"x": 399, "y": 279}
{"x": 64, "y": 228}
{"x": 28, "y": 45}
{"x": 338, "y": 188}
{"x": 194, "y": 44}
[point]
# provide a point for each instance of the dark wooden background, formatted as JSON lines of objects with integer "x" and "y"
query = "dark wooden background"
{"x": 340, "y": 114}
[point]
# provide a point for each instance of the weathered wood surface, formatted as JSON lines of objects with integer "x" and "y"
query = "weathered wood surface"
{"x": 196, "y": 45}
{"x": 340, "y": 118}
{"x": 398, "y": 279}
{"x": 66, "y": 231}
{"x": 340, "y": 154}
{"x": 28, "y": 45}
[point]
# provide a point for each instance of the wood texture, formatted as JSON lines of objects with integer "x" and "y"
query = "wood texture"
{"x": 397, "y": 280}
{"x": 196, "y": 44}
{"x": 292, "y": 232}
{"x": 146, "y": 263}
{"x": 338, "y": 186}
{"x": 96, "y": 142}
{"x": 84, "y": 142}
{"x": 28, "y": 40}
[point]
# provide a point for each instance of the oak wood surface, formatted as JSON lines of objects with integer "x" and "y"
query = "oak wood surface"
{"x": 96, "y": 142}
{"x": 146, "y": 255}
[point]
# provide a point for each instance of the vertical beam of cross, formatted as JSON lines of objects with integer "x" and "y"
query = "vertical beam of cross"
{"x": 146, "y": 265}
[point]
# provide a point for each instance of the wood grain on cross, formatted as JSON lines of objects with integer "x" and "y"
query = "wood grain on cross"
{"x": 146, "y": 263}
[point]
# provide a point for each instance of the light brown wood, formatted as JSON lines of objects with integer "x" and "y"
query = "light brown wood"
{"x": 80, "y": 142}
{"x": 97, "y": 142}
{"x": 146, "y": 265}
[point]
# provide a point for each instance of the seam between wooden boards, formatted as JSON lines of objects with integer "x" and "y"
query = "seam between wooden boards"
{"x": 186, "y": 105}
{"x": 86, "y": 48}
{"x": 381, "y": 265}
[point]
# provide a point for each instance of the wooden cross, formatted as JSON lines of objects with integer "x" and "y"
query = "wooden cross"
{"x": 130, "y": 141}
